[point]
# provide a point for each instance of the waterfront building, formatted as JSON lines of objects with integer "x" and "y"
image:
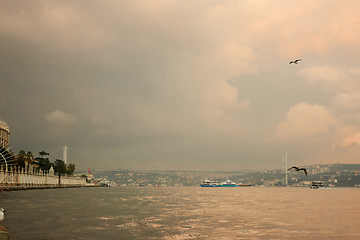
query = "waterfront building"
{"x": 6, "y": 155}
{"x": 12, "y": 175}
{"x": 4, "y": 134}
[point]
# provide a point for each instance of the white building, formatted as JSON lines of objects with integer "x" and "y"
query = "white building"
{"x": 4, "y": 134}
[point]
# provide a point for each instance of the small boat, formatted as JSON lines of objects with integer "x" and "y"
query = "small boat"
{"x": 228, "y": 183}
{"x": 209, "y": 183}
{"x": 317, "y": 185}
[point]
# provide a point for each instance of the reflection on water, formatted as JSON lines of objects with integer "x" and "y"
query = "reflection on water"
{"x": 183, "y": 213}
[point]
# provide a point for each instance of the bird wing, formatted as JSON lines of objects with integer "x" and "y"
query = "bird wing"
{"x": 302, "y": 169}
{"x": 294, "y": 168}
{"x": 295, "y": 61}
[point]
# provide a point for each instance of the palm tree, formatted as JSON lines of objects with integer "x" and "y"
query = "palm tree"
{"x": 29, "y": 160}
{"x": 23, "y": 160}
{"x": 20, "y": 160}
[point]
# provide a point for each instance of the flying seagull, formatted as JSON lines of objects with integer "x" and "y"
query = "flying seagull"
{"x": 295, "y": 61}
{"x": 298, "y": 169}
{"x": 2, "y": 214}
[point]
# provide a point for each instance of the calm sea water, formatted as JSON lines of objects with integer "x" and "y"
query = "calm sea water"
{"x": 183, "y": 213}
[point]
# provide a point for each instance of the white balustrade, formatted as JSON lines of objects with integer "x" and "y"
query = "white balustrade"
{"x": 34, "y": 179}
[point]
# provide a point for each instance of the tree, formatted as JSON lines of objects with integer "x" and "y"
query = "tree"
{"x": 43, "y": 163}
{"x": 70, "y": 169}
{"x": 43, "y": 153}
{"x": 20, "y": 159}
{"x": 24, "y": 159}
{"x": 29, "y": 160}
{"x": 29, "y": 156}
{"x": 59, "y": 168}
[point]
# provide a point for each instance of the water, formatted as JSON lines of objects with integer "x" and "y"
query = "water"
{"x": 183, "y": 213}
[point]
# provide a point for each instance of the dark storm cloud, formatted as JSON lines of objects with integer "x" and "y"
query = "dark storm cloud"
{"x": 176, "y": 85}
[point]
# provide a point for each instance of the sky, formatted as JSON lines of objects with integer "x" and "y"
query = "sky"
{"x": 182, "y": 85}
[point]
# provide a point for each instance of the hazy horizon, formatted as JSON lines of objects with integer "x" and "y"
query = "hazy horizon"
{"x": 170, "y": 84}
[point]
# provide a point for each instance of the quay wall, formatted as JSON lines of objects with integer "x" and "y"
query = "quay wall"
{"x": 38, "y": 179}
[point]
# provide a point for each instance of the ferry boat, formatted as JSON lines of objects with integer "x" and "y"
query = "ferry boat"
{"x": 228, "y": 183}
{"x": 317, "y": 185}
{"x": 209, "y": 183}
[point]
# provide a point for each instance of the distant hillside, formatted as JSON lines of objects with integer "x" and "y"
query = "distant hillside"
{"x": 344, "y": 167}
{"x": 341, "y": 175}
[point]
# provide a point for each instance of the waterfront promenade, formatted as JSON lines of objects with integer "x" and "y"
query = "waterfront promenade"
{"x": 33, "y": 179}
{"x": 18, "y": 188}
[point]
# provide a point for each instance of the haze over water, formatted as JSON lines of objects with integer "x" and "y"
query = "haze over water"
{"x": 183, "y": 213}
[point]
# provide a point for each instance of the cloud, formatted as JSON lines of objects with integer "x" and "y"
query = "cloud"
{"x": 353, "y": 139}
{"x": 323, "y": 76}
{"x": 238, "y": 58}
{"x": 150, "y": 80}
{"x": 223, "y": 95}
{"x": 347, "y": 100}
{"x": 59, "y": 117}
{"x": 304, "y": 120}
{"x": 96, "y": 119}
{"x": 355, "y": 71}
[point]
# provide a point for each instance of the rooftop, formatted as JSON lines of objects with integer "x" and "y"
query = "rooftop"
{"x": 4, "y": 125}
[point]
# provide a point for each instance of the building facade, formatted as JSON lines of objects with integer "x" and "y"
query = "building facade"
{"x": 4, "y": 134}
